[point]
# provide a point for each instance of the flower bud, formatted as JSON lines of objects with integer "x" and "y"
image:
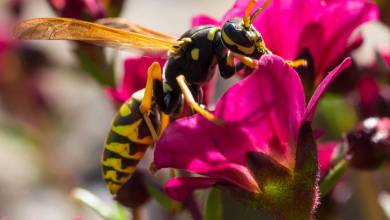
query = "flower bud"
{"x": 369, "y": 142}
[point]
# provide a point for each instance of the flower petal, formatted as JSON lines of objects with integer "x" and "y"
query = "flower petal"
{"x": 203, "y": 20}
{"x": 386, "y": 58}
{"x": 280, "y": 19}
{"x": 312, "y": 105}
{"x": 333, "y": 27}
{"x": 181, "y": 188}
{"x": 134, "y": 78}
{"x": 188, "y": 144}
{"x": 266, "y": 108}
{"x": 325, "y": 153}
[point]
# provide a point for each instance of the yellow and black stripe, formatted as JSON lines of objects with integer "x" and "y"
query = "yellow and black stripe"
{"x": 126, "y": 142}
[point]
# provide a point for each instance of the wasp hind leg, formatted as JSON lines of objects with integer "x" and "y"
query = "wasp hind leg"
{"x": 154, "y": 73}
{"x": 188, "y": 97}
{"x": 165, "y": 120}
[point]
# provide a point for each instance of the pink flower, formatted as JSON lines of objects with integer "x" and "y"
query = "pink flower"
{"x": 134, "y": 78}
{"x": 93, "y": 9}
{"x": 312, "y": 29}
{"x": 325, "y": 153}
{"x": 386, "y": 58}
{"x": 369, "y": 143}
{"x": 263, "y": 114}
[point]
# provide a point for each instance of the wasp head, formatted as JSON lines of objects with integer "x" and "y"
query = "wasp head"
{"x": 240, "y": 36}
{"x": 242, "y": 40}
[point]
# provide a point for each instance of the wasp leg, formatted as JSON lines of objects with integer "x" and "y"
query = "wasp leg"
{"x": 246, "y": 60}
{"x": 226, "y": 65}
{"x": 154, "y": 73}
{"x": 165, "y": 120}
{"x": 297, "y": 63}
{"x": 192, "y": 103}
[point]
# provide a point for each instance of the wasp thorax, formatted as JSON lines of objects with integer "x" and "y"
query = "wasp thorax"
{"x": 243, "y": 40}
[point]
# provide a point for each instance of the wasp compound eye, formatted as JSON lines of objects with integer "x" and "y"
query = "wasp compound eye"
{"x": 240, "y": 39}
{"x": 234, "y": 32}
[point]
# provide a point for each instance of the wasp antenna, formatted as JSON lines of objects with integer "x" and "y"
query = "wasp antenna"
{"x": 247, "y": 17}
{"x": 257, "y": 12}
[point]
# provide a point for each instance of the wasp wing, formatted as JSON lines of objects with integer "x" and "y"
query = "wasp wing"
{"x": 125, "y": 25}
{"x": 72, "y": 29}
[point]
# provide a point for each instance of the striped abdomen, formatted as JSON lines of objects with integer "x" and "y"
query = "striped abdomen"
{"x": 126, "y": 143}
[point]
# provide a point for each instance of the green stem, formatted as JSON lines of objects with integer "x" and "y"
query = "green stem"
{"x": 333, "y": 176}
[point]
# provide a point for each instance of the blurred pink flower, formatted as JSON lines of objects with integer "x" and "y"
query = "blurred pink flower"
{"x": 369, "y": 143}
{"x": 386, "y": 58}
{"x": 134, "y": 77}
{"x": 93, "y": 9}
{"x": 325, "y": 153}
{"x": 262, "y": 113}
{"x": 312, "y": 29}
{"x": 369, "y": 96}
{"x": 6, "y": 46}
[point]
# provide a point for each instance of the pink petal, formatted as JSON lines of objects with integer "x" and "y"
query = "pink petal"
{"x": 181, "y": 188}
{"x": 134, "y": 77}
{"x": 95, "y": 8}
{"x": 333, "y": 27}
{"x": 266, "y": 108}
{"x": 312, "y": 105}
{"x": 368, "y": 90}
{"x": 386, "y": 57}
{"x": 187, "y": 144}
{"x": 325, "y": 153}
{"x": 281, "y": 23}
{"x": 203, "y": 20}
{"x": 58, "y": 4}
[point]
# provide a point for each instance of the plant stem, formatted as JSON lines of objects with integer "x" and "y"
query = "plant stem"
{"x": 136, "y": 214}
{"x": 333, "y": 176}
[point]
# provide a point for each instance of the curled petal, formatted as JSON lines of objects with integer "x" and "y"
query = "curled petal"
{"x": 312, "y": 105}
{"x": 181, "y": 188}
{"x": 188, "y": 144}
{"x": 262, "y": 113}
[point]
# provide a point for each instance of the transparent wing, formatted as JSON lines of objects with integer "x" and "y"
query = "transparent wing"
{"x": 72, "y": 29}
{"x": 125, "y": 25}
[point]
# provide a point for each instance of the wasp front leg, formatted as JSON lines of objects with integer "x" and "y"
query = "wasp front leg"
{"x": 189, "y": 98}
{"x": 250, "y": 62}
{"x": 297, "y": 63}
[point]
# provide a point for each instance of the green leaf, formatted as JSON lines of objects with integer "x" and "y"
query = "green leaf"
{"x": 213, "y": 209}
{"x": 333, "y": 176}
{"x": 98, "y": 206}
{"x": 121, "y": 212}
{"x": 335, "y": 115}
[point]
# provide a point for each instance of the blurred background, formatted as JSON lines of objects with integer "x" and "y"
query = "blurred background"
{"x": 54, "y": 116}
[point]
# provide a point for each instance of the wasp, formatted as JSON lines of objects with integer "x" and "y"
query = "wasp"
{"x": 192, "y": 59}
